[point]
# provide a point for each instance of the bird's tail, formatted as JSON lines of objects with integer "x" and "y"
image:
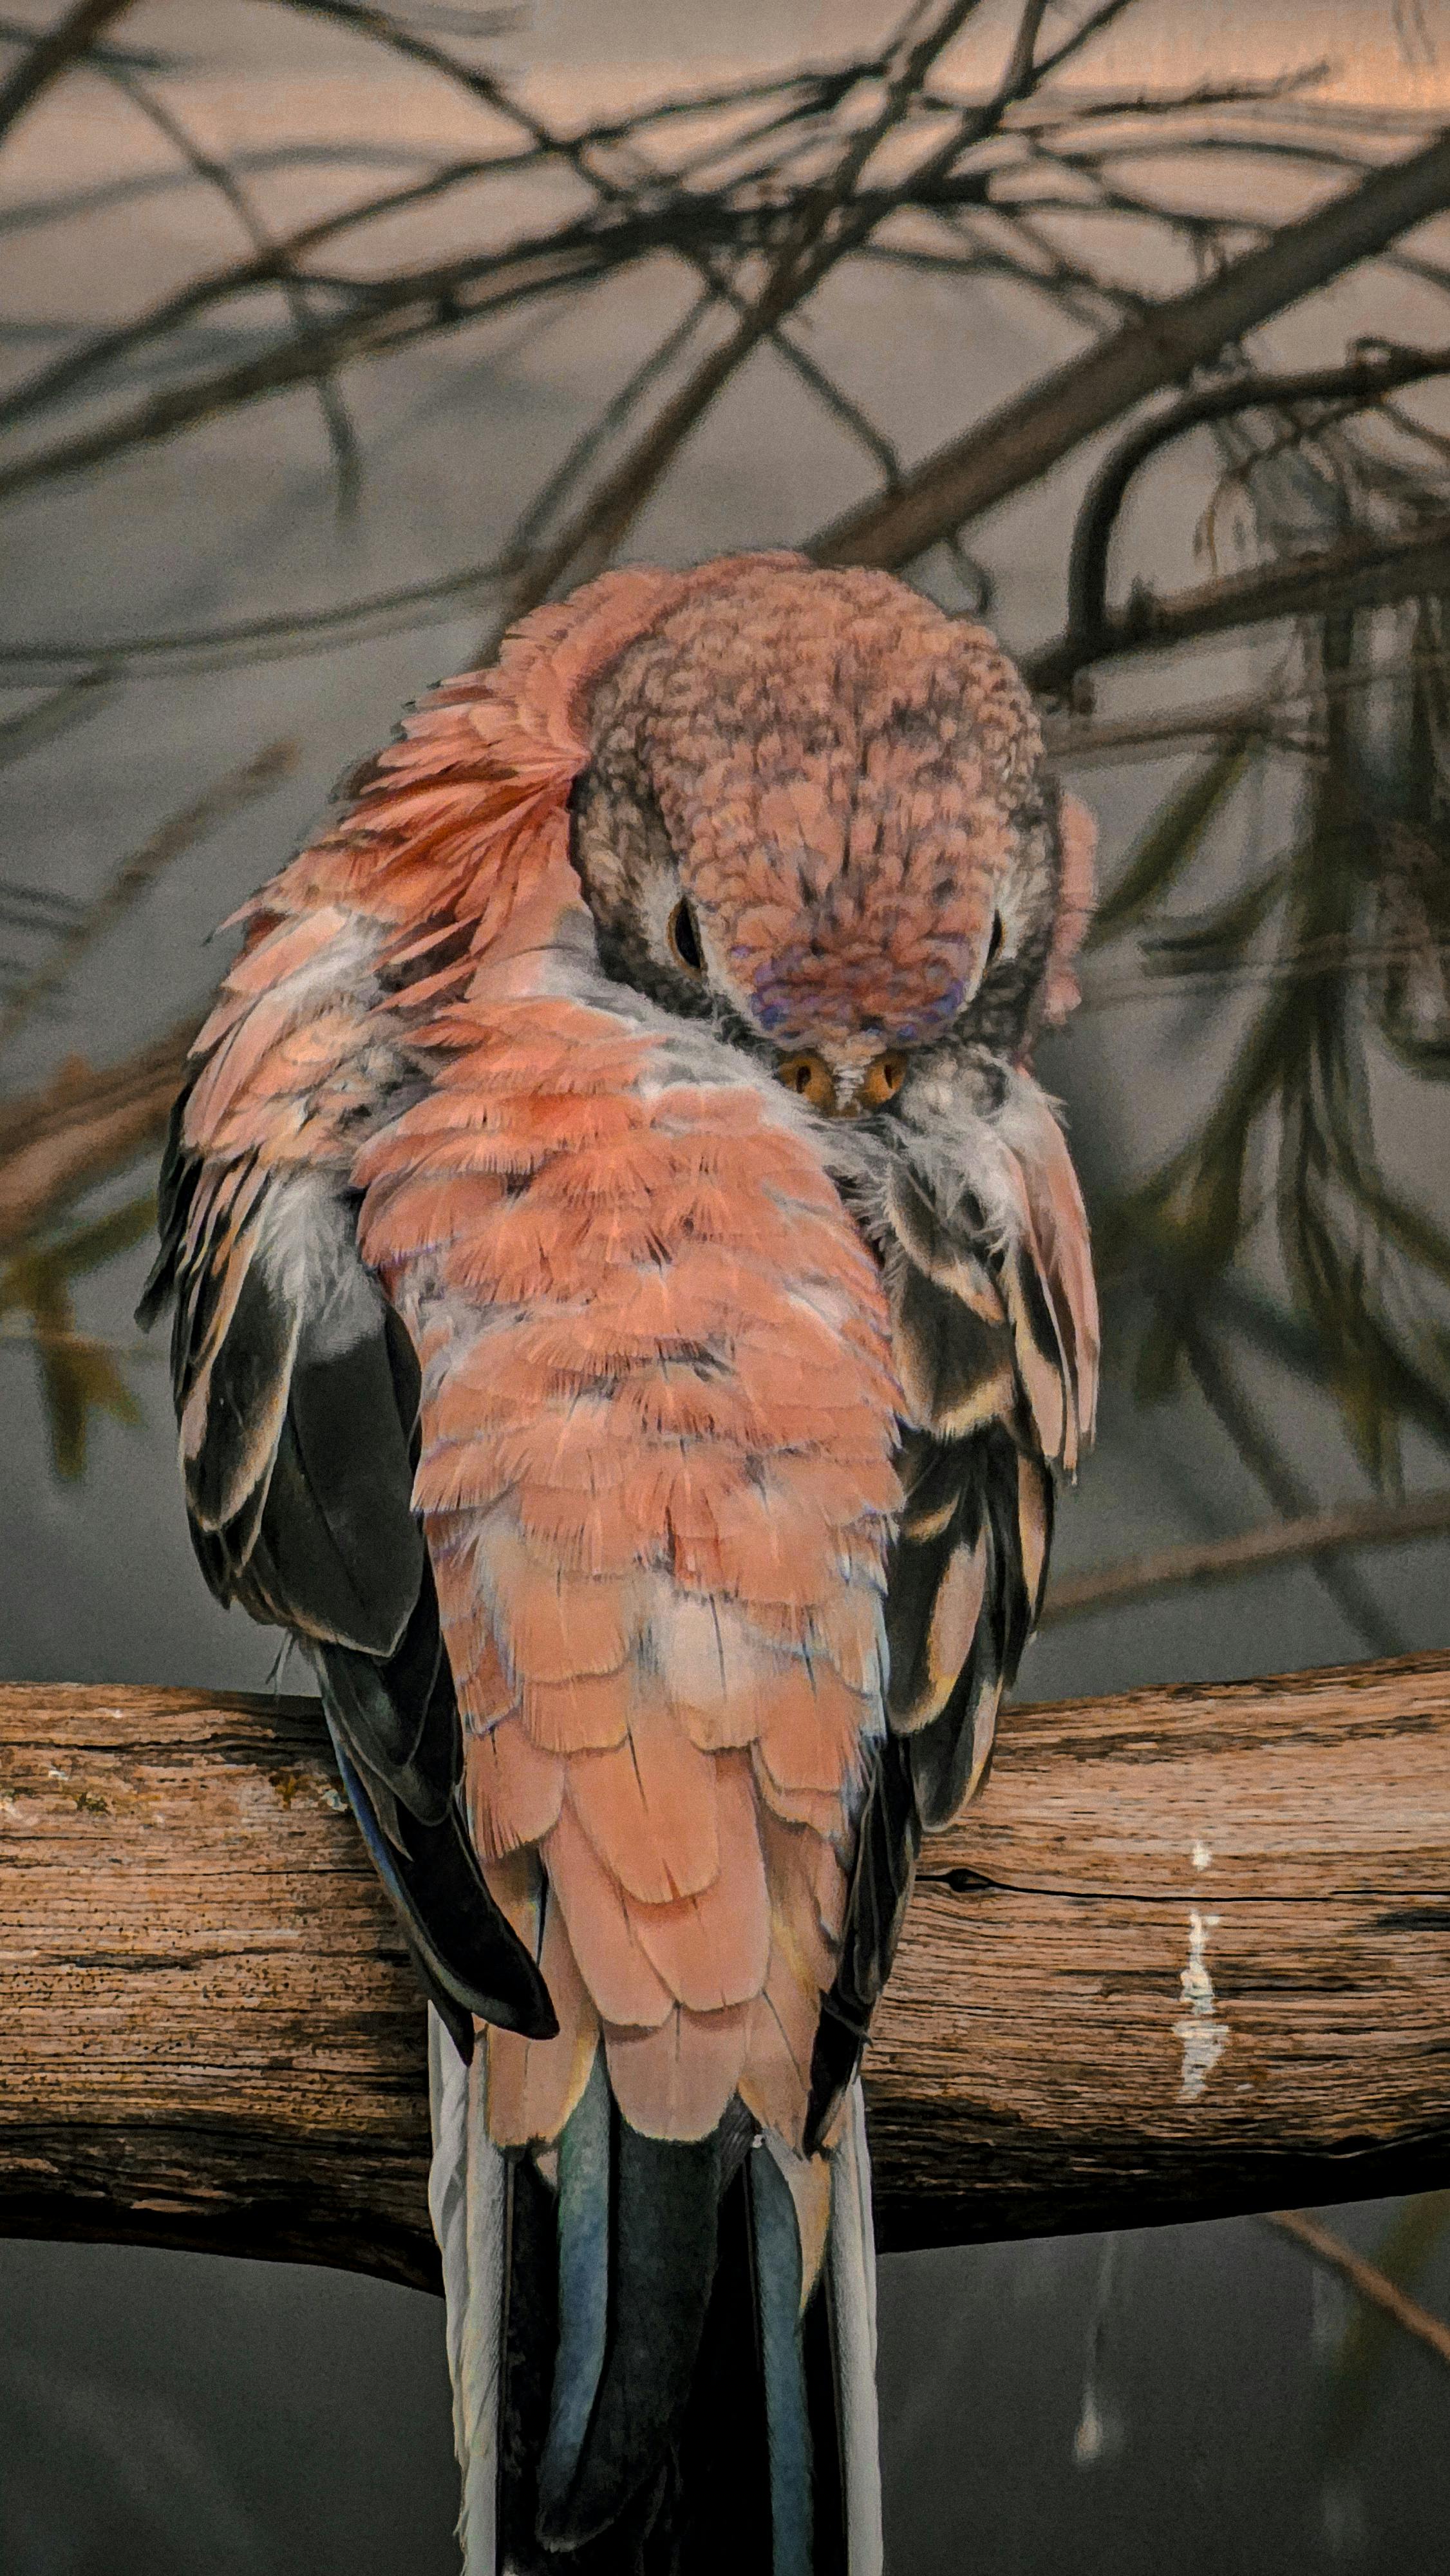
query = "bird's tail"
{"x": 639, "y": 2386}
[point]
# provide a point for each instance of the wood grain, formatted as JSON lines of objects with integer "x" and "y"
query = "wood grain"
{"x": 1190, "y": 1954}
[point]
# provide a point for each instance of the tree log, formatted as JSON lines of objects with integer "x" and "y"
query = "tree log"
{"x": 1189, "y": 1954}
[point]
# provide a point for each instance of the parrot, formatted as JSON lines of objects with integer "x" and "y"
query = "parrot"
{"x": 632, "y": 1301}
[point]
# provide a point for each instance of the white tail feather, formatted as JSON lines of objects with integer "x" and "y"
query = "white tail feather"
{"x": 851, "y": 2257}
{"x": 466, "y": 2201}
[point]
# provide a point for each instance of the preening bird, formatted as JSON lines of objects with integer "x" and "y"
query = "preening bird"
{"x": 631, "y": 1297}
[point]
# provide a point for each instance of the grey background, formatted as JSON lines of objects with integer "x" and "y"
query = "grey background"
{"x": 1127, "y": 2402}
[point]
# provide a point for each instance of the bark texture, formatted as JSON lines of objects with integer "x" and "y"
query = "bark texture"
{"x": 1189, "y": 1954}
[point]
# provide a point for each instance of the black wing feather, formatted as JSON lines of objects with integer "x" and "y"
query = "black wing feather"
{"x": 962, "y": 1493}
{"x": 300, "y": 1504}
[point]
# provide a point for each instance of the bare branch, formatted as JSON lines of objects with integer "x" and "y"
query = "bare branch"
{"x": 81, "y": 1126}
{"x": 1022, "y": 440}
{"x": 803, "y": 229}
{"x": 1365, "y": 2278}
{"x": 53, "y": 54}
{"x": 136, "y": 876}
{"x": 1362, "y": 572}
{"x": 1224, "y": 1560}
{"x": 1034, "y": 2066}
{"x": 830, "y": 224}
{"x": 1358, "y": 382}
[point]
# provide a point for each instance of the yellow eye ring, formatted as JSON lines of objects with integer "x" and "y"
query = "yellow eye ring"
{"x": 883, "y": 1079}
{"x": 810, "y": 1079}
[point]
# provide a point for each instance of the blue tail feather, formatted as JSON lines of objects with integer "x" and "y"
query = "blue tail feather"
{"x": 583, "y": 2219}
{"x": 665, "y": 2405}
{"x": 777, "y": 2252}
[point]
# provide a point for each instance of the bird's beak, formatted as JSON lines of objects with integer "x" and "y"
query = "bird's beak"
{"x": 842, "y": 1090}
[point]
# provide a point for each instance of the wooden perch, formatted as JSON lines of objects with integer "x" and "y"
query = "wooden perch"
{"x": 1189, "y": 1954}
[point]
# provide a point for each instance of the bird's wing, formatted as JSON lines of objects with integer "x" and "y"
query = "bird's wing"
{"x": 296, "y": 1382}
{"x": 296, "y": 1390}
{"x": 995, "y": 1341}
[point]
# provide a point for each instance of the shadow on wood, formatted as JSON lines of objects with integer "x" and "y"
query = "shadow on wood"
{"x": 1189, "y": 1954}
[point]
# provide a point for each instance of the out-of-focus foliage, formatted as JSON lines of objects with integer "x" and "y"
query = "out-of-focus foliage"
{"x": 1338, "y": 941}
{"x": 79, "y": 1376}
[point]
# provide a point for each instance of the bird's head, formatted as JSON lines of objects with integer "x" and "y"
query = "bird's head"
{"x": 815, "y": 810}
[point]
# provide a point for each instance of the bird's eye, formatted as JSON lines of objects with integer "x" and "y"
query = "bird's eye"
{"x": 809, "y": 1079}
{"x": 994, "y": 944}
{"x": 684, "y": 939}
{"x": 884, "y": 1079}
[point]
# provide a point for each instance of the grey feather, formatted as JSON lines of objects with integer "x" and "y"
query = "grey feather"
{"x": 851, "y": 2273}
{"x": 467, "y": 2200}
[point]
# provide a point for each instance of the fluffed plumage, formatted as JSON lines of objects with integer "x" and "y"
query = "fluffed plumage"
{"x": 630, "y": 1298}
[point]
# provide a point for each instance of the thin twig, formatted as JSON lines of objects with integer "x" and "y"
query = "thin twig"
{"x": 66, "y": 706}
{"x": 412, "y": 604}
{"x": 1253, "y": 96}
{"x": 1290, "y": 1498}
{"x": 1018, "y": 443}
{"x": 1367, "y": 2279}
{"x": 400, "y": 38}
{"x": 1248, "y": 1552}
{"x": 82, "y": 1126}
{"x": 136, "y": 58}
{"x": 53, "y": 54}
{"x": 1072, "y": 739}
{"x": 1363, "y": 572}
{"x": 1359, "y": 381}
{"x": 384, "y": 316}
{"x": 68, "y": 374}
{"x": 215, "y": 173}
{"x": 526, "y": 531}
{"x": 136, "y": 876}
{"x": 104, "y": 196}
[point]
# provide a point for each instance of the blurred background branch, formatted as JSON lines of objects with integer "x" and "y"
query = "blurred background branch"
{"x": 1371, "y": 2282}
